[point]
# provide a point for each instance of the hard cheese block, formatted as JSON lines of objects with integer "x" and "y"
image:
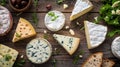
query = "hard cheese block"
{"x": 81, "y": 7}
{"x": 116, "y": 47}
{"x": 95, "y": 34}
{"x": 70, "y": 44}
{"x": 7, "y": 56}
{"x": 39, "y": 50}
{"x": 24, "y": 30}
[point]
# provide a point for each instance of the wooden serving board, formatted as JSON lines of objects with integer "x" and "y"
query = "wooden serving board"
{"x": 63, "y": 58}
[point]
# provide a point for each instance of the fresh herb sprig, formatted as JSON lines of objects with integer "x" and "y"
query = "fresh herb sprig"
{"x": 3, "y": 2}
{"x": 34, "y": 15}
{"x": 110, "y": 13}
{"x": 52, "y": 14}
{"x": 60, "y": 1}
{"x": 77, "y": 57}
{"x": 19, "y": 63}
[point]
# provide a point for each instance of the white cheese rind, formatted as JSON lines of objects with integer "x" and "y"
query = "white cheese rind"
{"x": 5, "y": 20}
{"x": 81, "y": 7}
{"x": 70, "y": 44}
{"x": 95, "y": 34}
{"x": 116, "y": 47}
{"x": 39, "y": 51}
{"x": 56, "y": 24}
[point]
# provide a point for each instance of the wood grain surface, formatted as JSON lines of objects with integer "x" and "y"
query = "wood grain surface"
{"x": 63, "y": 58}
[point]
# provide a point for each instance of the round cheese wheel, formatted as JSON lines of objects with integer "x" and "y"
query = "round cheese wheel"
{"x": 5, "y": 21}
{"x": 54, "y": 20}
{"x": 38, "y": 50}
{"x": 116, "y": 47}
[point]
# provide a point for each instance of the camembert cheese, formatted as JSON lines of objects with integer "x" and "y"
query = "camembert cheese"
{"x": 116, "y": 47}
{"x": 81, "y": 7}
{"x": 70, "y": 44}
{"x": 95, "y": 34}
{"x": 24, "y": 30}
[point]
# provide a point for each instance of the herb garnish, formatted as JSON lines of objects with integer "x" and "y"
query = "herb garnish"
{"x": 60, "y": 1}
{"x": 34, "y": 15}
{"x": 18, "y": 35}
{"x": 110, "y": 13}
{"x": 19, "y": 63}
{"x": 52, "y": 14}
{"x": 54, "y": 61}
{"x": 3, "y": 2}
{"x": 76, "y": 57}
{"x": 8, "y": 57}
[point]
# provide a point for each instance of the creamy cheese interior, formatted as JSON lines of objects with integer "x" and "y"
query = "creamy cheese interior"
{"x": 39, "y": 50}
{"x": 56, "y": 24}
{"x": 80, "y": 6}
{"x": 4, "y": 19}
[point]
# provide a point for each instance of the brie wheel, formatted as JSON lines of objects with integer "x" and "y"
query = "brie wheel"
{"x": 57, "y": 24}
{"x": 38, "y": 50}
{"x": 5, "y": 20}
{"x": 116, "y": 47}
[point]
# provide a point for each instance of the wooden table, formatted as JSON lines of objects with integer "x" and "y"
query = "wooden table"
{"x": 63, "y": 59}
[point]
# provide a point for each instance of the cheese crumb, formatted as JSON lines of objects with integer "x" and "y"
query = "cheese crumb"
{"x": 67, "y": 27}
{"x": 65, "y": 6}
{"x": 45, "y": 31}
{"x": 21, "y": 56}
{"x": 72, "y": 32}
{"x": 80, "y": 56}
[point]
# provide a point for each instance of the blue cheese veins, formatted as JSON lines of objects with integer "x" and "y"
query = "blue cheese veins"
{"x": 38, "y": 50}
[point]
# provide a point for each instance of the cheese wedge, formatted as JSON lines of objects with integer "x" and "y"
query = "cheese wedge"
{"x": 81, "y": 7}
{"x": 116, "y": 47}
{"x": 70, "y": 44}
{"x": 24, "y": 30}
{"x": 7, "y": 56}
{"x": 95, "y": 34}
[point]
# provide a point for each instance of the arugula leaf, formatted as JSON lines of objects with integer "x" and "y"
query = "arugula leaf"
{"x": 8, "y": 57}
{"x": 19, "y": 63}
{"x": 113, "y": 32}
{"x": 3, "y": 2}
{"x": 76, "y": 58}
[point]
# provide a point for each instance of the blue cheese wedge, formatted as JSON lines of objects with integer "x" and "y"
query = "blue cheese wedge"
{"x": 95, "y": 34}
{"x": 116, "y": 47}
{"x": 5, "y": 21}
{"x": 38, "y": 50}
{"x": 81, "y": 7}
{"x": 7, "y": 56}
{"x": 54, "y": 20}
{"x": 70, "y": 44}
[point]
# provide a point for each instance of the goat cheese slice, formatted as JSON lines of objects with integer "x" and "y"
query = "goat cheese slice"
{"x": 54, "y": 20}
{"x": 70, "y": 44}
{"x": 7, "y": 56}
{"x": 95, "y": 34}
{"x": 81, "y": 7}
{"x": 116, "y": 47}
{"x": 38, "y": 50}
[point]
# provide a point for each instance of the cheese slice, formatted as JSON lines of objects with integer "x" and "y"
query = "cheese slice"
{"x": 81, "y": 7}
{"x": 70, "y": 44}
{"x": 95, "y": 34}
{"x": 116, "y": 47}
{"x": 24, "y": 30}
{"x": 7, "y": 56}
{"x": 39, "y": 50}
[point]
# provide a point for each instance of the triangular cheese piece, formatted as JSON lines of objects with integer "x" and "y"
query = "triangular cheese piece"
{"x": 81, "y": 7}
{"x": 70, "y": 44}
{"x": 95, "y": 34}
{"x": 95, "y": 60}
{"x": 24, "y": 30}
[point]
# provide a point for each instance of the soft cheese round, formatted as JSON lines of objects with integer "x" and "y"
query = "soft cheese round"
{"x": 116, "y": 47}
{"x": 55, "y": 24}
{"x": 5, "y": 21}
{"x": 38, "y": 50}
